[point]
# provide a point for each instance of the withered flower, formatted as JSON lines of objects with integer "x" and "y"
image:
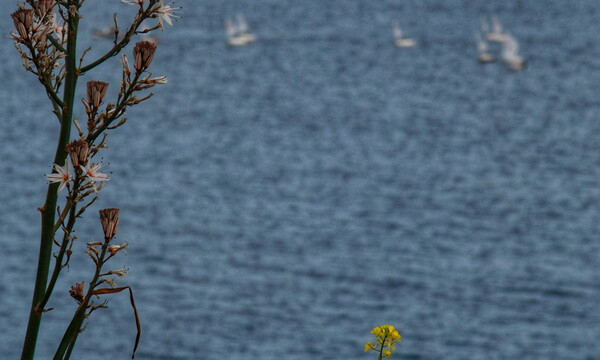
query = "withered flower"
{"x": 143, "y": 53}
{"x": 95, "y": 92}
{"x": 23, "y": 19}
{"x": 156, "y": 80}
{"x": 113, "y": 249}
{"x": 44, "y": 6}
{"x": 76, "y": 292}
{"x": 119, "y": 272}
{"x": 78, "y": 151}
{"x": 110, "y": 222}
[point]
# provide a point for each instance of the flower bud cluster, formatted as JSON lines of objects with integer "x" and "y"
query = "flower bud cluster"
{"x": 78, "y": 152}
{"x": 143, "y": 53}
{"x": 109, "y": 218}
{"x": 96, "y": 90}
{"x": 23, "y": 19}
{"x": 76, "y": 291}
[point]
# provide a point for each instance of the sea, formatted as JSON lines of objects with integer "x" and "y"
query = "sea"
{"x": 281, "y": 199}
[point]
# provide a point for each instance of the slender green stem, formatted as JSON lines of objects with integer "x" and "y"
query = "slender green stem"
{"x": 116, "y": 49}
{"x": 72, "y": 331}
{"x": 70, "y": 349}
{"x": 49, "y": 208}
{"x": 58, "y": 265}
{"x": 381, "y": 348}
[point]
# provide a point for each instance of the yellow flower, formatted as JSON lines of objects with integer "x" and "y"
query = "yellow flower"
{"x": 386, "y": 337}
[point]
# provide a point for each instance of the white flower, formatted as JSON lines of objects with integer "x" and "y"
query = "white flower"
{"x": 62, "y": 176}
{"x": 165, "y": 13}
{"x": 59, "y": 29}
{"x": 93, "y": 174}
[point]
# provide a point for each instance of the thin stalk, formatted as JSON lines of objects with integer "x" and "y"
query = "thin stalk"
{"x": 58, "y": 265}
{"x": 116, "y": 49}
{"x": 72, "y": 331}
{"x": 49, "y": 208}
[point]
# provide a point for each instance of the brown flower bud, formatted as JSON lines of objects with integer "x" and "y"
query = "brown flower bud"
{"x": 143, "y": 53}
{"x": 110, "y": 222}
{"x": 44, "y": 6}
{"x": 76, "y": 292}
{"x": 23, "y": 19}
{"x": 95, "y": 92}
{"x": 78, "y": 151}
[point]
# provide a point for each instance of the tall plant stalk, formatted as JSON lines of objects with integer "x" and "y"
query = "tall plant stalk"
{"x": 48, "y": 210}
{"x": 46, "y": 39}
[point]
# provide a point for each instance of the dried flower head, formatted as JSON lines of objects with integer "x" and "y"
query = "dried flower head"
{"x": 119, "y": 272}
{"x": 76, "y": 292}
{"x": 44, "y": 6}
{"x": 113, "y": 249}
{"x": 110, "y": 222}
{"x": 157, "y": 80}
{"x": 95, "y": 92}
{"x": 143, "y": 53}
{"x": 78, "y": 151}
{"x": 23, "y": 19}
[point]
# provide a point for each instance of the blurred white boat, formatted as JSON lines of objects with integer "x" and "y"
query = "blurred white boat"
{"x": 484, "y": 54}
{"x": 510, "y": 54}
{"x": 496, "y": 34}
{"x": 399, "y": 38}
{"x": 106, "y": 33}
{"x": 237, "y": 34}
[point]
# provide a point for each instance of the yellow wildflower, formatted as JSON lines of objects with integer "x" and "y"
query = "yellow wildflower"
{"x": 386, "y": 337}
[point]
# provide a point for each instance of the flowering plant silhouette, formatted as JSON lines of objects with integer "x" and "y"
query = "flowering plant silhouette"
{"x": 46, "y": 39}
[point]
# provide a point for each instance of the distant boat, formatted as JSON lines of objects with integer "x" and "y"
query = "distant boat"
{"x": 399, "y": 38}
{"x": 106, "y": 33}
{"x": 237, "y": 34}
{"x": 497, "y": 34}
{"x": 510, "y": 54}
{"x": 484, "y": 54}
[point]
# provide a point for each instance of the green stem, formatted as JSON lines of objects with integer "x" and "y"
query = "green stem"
{"x": 49, "y": 209}
{"x": 71, "y": 333}
{"x": 381, "y": 348}
{"x": 70, "y": 336}
{"x": 58, "y": 265}
{"x": 116, "y": 49}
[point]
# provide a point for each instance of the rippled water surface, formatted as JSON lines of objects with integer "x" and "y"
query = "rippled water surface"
{"x": 283, "y": 198}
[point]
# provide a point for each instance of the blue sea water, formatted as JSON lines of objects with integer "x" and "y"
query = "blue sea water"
{"x": 282, "y": 199}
